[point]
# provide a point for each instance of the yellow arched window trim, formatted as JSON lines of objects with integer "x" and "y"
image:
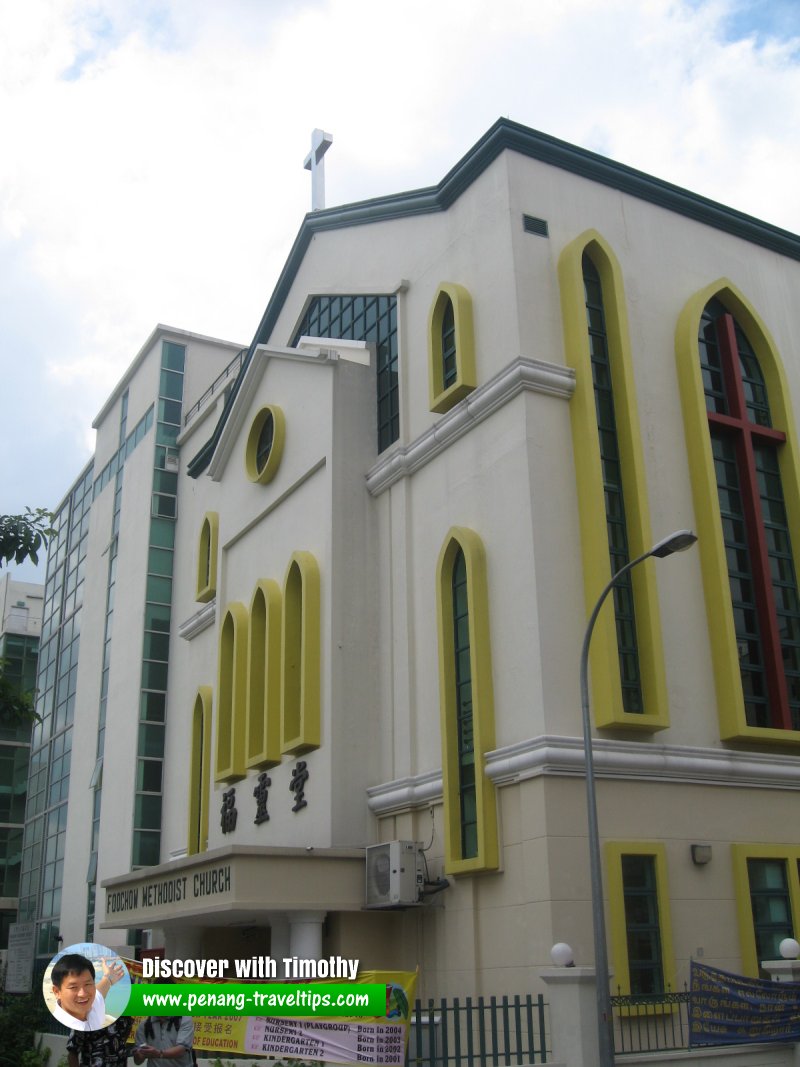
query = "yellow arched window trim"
{"x": 605, "y": 678}
{"x": 232, "y": 694}
{"x": 487, "y": 857}
{"x": 207, "y": 558}
{"x": 263, "y": 735}
{"x": 443, "y": 398}
{"x": 200, "y": 771}
{"x": 300, "y": 644}
{"x": 716, "y": 587}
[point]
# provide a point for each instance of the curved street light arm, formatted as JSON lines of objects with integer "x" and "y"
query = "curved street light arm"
{"x": 676, "y": 542}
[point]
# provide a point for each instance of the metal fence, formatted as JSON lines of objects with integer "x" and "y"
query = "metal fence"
{"x": 477, "y": 1032}
{"x": 657, "y": 1023}
{"x": 473, "y": 1032}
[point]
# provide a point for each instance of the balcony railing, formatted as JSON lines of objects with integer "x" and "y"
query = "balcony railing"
{"x": 654, "y": 1023}
{"x": 230, "y": 371}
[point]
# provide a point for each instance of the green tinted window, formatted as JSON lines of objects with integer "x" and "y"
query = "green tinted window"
{"x": 642, "y": 924}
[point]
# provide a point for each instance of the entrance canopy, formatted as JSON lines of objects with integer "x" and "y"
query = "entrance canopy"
{"x": 235, "y": 884}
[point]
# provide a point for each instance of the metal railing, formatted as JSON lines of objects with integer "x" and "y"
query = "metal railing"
{"x": 653, "y": 1023}
{"x": 232, "y": 368}
{"x": 478, "y": 1031}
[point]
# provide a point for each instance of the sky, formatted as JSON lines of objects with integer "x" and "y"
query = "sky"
{"x": 151, "y": 154}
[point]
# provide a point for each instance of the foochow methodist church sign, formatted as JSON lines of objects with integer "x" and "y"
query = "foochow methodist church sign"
{"x": 156, "y": 897}
{"x": 156, "y": 893}
{"x": 244, "y": 879}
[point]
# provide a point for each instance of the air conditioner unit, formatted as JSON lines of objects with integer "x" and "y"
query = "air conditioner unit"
{"x": 395, "y": 874}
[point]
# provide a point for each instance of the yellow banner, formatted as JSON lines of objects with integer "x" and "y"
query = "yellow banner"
{"x": 376, "y": 1040}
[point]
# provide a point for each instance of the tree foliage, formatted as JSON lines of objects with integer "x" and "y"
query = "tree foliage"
{"x": 16, "y": 706}
{"x": 21, "y": 536}
{"x": 21, "y": 1016}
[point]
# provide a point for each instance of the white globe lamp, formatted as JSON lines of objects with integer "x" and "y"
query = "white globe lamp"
{"x": 562, "y": 955}
{"x": 789, "y": 948}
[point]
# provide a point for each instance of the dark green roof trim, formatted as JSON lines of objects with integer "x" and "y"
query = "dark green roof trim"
{"x": 503, "y": 135}
{"x": 198, "y": 464}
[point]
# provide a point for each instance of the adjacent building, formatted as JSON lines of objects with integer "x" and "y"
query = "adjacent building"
{"x": 103, "y": 657}
{"x": 336, "y": 597}
{"x": 20, "y": 627}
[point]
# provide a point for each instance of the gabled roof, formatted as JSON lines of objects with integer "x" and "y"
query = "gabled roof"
{"x": 504, "y": 134}
{"x": 311, "y": 351}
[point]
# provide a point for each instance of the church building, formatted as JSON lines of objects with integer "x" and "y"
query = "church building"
{"x": 323, "y": 695}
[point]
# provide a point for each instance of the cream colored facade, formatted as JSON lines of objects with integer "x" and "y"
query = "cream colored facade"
{"x": 497, "y": 469}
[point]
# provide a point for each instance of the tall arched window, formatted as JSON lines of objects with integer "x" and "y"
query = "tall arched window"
{"x": 466, "y": 704}
{"x": 263, "y": 739}
{"x": 627, "y": 677}
{"x": 611, "y": 466}
{"x": 232, "y": 694}
{"x": 465, "y": 735}
{"x": 744, "y": 477}
{"x": 200, "y": 771}
{"x": 300, "y": 680}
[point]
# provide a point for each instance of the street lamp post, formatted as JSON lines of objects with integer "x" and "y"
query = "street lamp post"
{"x": 676, "y": 542}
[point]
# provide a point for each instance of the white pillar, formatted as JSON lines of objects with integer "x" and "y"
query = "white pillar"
{"x": 572, "y": 994}
{"x": 305, "y": 934}
{"x": 182, "y": 943}
{"x": 279, "y": 940}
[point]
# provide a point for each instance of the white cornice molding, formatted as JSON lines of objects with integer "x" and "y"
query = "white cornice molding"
{"x": 405, "y": 794}
{"x": 519, "y": 376}
{"x": 633, "y": 760}
{"x": 621, "y": 760}
{"x": 198, "y": 622}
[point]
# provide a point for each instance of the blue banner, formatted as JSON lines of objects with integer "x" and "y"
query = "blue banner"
{"x": 728, "y": 1009}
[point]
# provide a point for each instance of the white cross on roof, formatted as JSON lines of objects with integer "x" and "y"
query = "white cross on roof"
{"x": 320, "y": 143}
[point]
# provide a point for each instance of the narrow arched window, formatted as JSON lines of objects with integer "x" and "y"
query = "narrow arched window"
{"x": 462, "y": 668}
{"x": 628, "y": 676}
{"x": 451, "y": 347}
{"x": 611, "y": 466}
{"x": 263, "y": 739}
{"x": 199, "y": 773}
{"x": 746, "y": 448}
{"x": 207, "y": 558}
{"x": 449, "y": 365}
{"x": 467, "y": 704}
{"x": 232, "y": 694}
{"x": 300, "y": 675}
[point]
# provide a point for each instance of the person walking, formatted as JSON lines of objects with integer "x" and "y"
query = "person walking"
{"x": 165, "y": 1041}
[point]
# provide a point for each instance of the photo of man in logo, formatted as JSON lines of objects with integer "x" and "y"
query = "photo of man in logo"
{"x": 74, "y": 993}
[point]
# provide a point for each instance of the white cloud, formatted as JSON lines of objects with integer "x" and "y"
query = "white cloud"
{"x": 152, "y": 153}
